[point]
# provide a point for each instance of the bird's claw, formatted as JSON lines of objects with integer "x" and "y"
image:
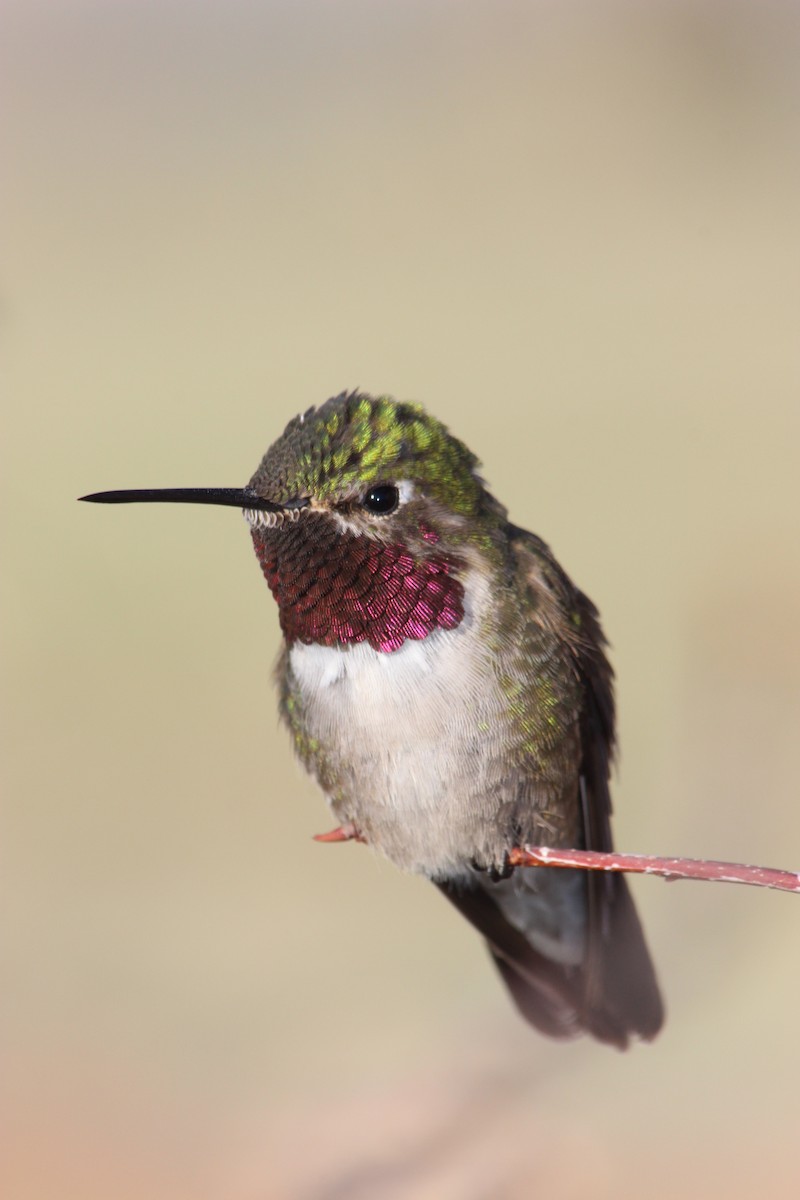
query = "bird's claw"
{"x": 495, "y": 873}
{"x": 344, "y": 833}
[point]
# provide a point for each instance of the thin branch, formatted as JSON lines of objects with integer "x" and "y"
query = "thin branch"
{"x": 639, "y": 864}
{"x": 650, "y": 864}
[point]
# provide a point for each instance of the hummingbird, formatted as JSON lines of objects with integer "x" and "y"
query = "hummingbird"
{"x": 447, "y": 685}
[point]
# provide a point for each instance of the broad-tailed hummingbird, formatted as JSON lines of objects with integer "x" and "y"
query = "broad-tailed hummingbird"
{"x": 447, "y": 685}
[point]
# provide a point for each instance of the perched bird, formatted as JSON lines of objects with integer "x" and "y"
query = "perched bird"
{"x": 447, "y": 685}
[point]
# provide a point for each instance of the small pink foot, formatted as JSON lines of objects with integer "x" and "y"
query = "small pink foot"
{"x": 345, "y": 833}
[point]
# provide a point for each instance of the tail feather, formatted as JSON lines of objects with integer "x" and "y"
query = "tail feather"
{"x": 621, "y": 978}
{"x": 611, "y": 994}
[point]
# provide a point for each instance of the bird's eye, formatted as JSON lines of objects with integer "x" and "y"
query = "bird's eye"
{"x": 382, "y": 500}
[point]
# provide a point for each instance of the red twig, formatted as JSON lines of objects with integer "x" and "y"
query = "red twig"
{"x": 649, "y": 864}
{"x": 639, "y": 864}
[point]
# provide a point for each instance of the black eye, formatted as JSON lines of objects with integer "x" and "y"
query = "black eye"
{"x": 383, "y": 499}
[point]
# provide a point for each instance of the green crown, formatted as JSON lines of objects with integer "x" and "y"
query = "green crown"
{"x": 355, "y": 440}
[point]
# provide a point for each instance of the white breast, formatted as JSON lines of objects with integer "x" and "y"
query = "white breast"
{"x": 408, "y": 734}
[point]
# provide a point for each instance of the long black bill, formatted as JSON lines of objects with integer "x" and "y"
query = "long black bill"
{"x": 229, "y": 497}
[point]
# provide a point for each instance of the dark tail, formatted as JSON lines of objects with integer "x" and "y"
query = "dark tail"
{"x": 610, "y": 992}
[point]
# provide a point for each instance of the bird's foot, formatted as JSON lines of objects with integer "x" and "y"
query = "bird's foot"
{"x": 495, "y": 873}
{"x": 344, "y": 833}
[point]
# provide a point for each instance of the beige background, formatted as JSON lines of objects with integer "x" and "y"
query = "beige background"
{"x": 572, "y": 231}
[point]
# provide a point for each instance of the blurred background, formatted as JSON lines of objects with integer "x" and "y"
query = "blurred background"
{"x": 571, "y": 230}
